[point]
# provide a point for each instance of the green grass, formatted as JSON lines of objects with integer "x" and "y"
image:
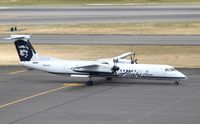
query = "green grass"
{"x": 71, "y": 2}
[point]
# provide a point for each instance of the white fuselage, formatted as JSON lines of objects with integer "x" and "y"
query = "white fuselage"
{"x": 132, "y": 71}
{"x": 115, "y": 67}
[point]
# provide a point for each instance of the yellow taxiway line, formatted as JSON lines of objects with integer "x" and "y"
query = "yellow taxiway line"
{"x": 72, "y": 84}
{"x": 39, "y": 94}
{"x": 20, "y": 71}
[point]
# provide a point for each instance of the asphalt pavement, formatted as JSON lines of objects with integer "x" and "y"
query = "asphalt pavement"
{"x": 31, "y": 96}
{"x": 112, "y": 39}
{"x": 98, "y": 14}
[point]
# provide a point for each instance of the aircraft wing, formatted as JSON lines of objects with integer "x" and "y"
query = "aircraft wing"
{"x": 117, "y": 59}
{"x": 102, "y": 66}
{"x": 124, "y": 55}
{"x": 89, "y": 65}
{"x": 95, "y": 69}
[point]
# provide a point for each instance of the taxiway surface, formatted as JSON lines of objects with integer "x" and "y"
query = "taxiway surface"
{"x": 98, "y": 14}
{"x": 113, "y": 39}
{"x": 30, "y": 97}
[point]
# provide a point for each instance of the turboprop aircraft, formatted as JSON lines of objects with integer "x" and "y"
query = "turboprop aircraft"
{"x": 116, "y": 67}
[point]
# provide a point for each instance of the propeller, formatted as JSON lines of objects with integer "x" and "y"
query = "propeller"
{"x": 115, "y": 68}
{"x": 133, "y": 60}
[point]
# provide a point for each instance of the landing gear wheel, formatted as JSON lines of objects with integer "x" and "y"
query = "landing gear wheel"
{"x": 176, "y": 83}
{"x": 90, "y": 83}
{"x": 108, "y": 78}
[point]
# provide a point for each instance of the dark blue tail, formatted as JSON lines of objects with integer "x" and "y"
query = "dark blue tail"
{"x": 25, "y": 50}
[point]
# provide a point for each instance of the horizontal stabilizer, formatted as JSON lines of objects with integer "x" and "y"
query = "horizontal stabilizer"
{"x": 18, "y": 37}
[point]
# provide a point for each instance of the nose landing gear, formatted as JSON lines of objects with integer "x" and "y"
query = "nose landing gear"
{"x": 176, "y": 83}
{"x": 90, "y": 82}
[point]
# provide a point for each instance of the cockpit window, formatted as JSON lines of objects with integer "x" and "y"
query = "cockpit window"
{"x": 166, "y": 69}
{"x": 173, "y": 69}
{"x": 170, "y": 69}
{"x": 104, "y": 63}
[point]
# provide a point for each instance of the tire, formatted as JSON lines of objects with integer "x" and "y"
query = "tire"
{"x": 176, "y": 83}
{"x": 108, "y": 78}
{"x": 90, "y": 83}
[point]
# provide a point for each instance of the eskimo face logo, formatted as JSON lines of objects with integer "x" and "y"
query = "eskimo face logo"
{"x": 23, "y": 50}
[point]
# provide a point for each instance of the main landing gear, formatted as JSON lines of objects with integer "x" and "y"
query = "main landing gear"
{"x": 90, "y": 82}
{"x": 108, "y": 78}
{"x": 176, "y": 82}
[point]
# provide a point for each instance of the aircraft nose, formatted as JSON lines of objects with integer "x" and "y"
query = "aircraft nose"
{"x": 181, "y": 75}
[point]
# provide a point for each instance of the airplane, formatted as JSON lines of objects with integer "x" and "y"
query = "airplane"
{"x": 116, "y": 67}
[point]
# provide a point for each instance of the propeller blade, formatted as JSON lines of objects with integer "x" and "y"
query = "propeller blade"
{"x": 115, "y": 68}
{"x": 136, "y": 61}
{"x": 132, "y": 57}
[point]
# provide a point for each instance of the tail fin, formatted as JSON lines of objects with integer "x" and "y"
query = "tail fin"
{"x": 24, "y": 48}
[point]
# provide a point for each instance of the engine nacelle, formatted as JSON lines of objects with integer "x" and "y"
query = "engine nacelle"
{"x": 124, "y": 61}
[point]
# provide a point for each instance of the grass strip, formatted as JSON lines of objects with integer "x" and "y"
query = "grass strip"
{"x": 157, "y": 28}
{"x": 178, "y": 56}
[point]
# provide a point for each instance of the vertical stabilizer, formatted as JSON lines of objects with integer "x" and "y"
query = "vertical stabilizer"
{"x": 24, "y": 48}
